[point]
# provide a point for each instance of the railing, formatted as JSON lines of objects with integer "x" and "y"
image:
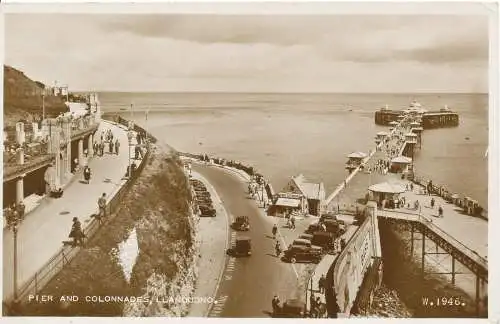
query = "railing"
{"x": 441, "y": 191}
{"x": 410, "y": 217}
{"x": 64, "y": 256}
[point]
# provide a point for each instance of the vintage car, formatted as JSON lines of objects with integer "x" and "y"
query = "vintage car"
{"x": 324, "y": 239}
{"x": 207, "y": 211}
{"x": 241, "y": 223}
{"x": 306, "y": 236}
{"x": 292, "y": 308}
{"x": 314, "y": 227}
{"x": 304, "y": 242}
{"x": 302, "y": 253}
{"x": 242, "y": 247}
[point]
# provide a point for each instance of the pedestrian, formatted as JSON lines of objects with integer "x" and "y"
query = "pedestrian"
{"x": 321, "y": 284}
{"x": 274, "y": 231}
{"x": 101, "y": 149}
{"x": 110, "y": 147}
{"x": 276, "y": 305}
{"x": 101, "y": 202}
{"x": 86, "y": 174}
{"x": 117, "y": 146}
{"x": 20, "y": 209}
{"x": 317, "y": 304}
{"x": 432, "y": 202}
{"x": 343, "y": 243}
{"x": 278, "y": 248}
{"x": 76, "y": 232}
{"x": 312, "y": 306}
{"x": 292, "y": 221}
{"x": 411, "y": 186}
{"x": 86, "y": 153}
{"x": 440, "y": 211}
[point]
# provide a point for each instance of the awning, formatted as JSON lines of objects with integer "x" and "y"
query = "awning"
{"x": 401, "y": 159}
{"x": 357, "y": 155}
{"x": 411, "y": 134}
{"x": 382, "y": 133}
{"x": 287, "y": 202}
{"x": 387, "y": 187}
{"x": 393, "y": 123}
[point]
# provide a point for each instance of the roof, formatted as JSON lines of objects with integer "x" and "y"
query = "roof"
{"x": 309, "y": 189}
{"x": 287, "y": 202}
{"x": 387, "y": 187}
{"x": 401, "y": 159}
{"x": 357, "y": 155}
{"x": 410, "y": 134}
{"x": 382, "y": 133}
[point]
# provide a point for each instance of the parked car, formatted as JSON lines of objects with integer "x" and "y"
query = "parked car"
{"x": 327, "y": 216}
{"x": 302, "y": 253}
{"x": 306, "y": 236}
{"x": 304, "y": 242}
{"x": 314, "y": 227}
{"x": 324, "y": 239}
{"x": 242, "y": 247}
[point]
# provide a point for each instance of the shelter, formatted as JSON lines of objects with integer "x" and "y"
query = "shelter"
{"x": 386, "y": 193}
{"x": 355, "y": 160}
{"x": 300, "y": 195}
{"x": 400, "y": 164}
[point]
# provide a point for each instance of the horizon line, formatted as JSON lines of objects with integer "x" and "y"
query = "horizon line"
{"x": 277, "y": 92}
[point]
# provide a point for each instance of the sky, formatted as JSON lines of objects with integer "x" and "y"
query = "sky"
{"x": 251, "y": 53}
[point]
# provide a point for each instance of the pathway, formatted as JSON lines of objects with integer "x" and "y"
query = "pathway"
{"x": 43, "y": 230}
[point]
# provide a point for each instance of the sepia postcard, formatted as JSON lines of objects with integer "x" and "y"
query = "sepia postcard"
{"x": 249, "y": 160}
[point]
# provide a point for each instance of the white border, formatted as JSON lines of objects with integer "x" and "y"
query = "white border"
{"x": 304, "y": 7}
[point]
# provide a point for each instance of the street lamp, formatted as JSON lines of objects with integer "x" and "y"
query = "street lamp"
{"x": 130, "y": 135}
{"x": 14, "y": 219}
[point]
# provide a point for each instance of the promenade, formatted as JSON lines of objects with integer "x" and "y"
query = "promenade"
{"x": 41, "y": 234}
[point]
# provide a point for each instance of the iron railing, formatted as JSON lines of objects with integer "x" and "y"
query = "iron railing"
{"x": 410, "y": 217}
{"x": 64, "y": 256}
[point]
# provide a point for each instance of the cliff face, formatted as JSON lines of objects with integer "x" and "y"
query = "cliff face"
{"x": 23, "y": 98}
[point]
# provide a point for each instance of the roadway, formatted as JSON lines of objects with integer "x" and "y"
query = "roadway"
{"x": 249, "y": 284}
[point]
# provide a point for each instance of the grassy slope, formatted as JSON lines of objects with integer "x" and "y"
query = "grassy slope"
{"x": 23, "y": 98}
{"x": 158, "y": 207}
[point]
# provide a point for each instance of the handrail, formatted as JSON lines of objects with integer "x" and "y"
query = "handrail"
{"x": 65, "y": 254}
{"x": 436, "y": 229}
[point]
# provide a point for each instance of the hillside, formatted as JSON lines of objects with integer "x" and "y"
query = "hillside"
{"x": 23, "y": 98}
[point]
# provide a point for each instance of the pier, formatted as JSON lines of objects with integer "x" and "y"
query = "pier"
{"x": 438, "y": 233}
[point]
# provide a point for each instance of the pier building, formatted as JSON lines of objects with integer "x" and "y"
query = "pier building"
{"x": 429, "y": 119}
{"x": 299, "y": 195}
{"x": 367, "y": 194}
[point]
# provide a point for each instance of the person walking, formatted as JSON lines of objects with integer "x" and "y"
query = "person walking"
{"x": 278, "y": 248}
{"x": 76, "y": 232}
{"x": 432, "y": 202}
{"x": 440, "y": 211}
{"x": 322, "y": 283}
{"x": 101, "y": 203}
{"x": 86, "y": 174}
{"x": 276, "y": 305}
{"x": 117, "y": 146}
{"x": 312, "y": 306}
{"x": 274, "y": 231}
{"x": 292, "y": 221}
{"x": 111, "y": 147}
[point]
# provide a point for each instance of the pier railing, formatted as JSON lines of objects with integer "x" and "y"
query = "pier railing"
{"x": 64, "y": 256}
{"x": 441, "y": 191}
{"x": 410, "y": 217}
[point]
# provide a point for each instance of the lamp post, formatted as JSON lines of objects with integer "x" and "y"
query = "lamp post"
{"x": 14, "y": 219}
{"x": 130, "y": 135}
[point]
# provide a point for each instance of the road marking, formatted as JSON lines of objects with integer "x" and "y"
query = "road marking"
{"x": 218, "y": 306}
